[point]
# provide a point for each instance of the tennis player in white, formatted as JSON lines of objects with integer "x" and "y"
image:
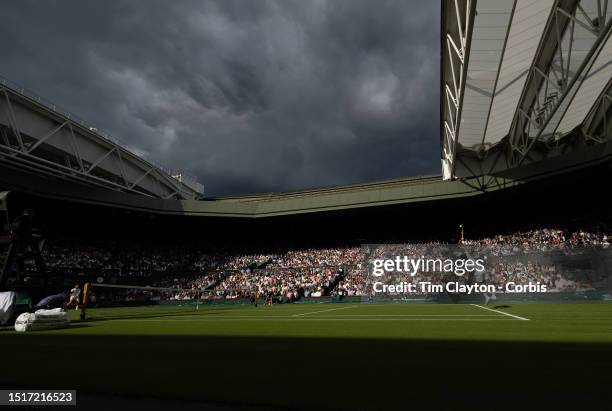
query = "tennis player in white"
{"x": 75, "y": 295}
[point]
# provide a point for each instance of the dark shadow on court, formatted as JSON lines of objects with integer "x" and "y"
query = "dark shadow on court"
{"x": 316, "y": 373}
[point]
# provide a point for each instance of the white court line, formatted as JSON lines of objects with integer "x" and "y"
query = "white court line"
{"x": 418, "y": 315}
{"x": 357, "y": 317}
{"x": 495, "y": 318}
{"x": 285, "y": 317}
{"x": 323, "y": 311}
{"x": 501, "y": 312}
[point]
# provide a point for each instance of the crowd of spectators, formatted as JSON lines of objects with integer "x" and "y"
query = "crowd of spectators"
{"x": 506, "y": 267}
{"x": 290, "y": 274}
{"x": 286, "y": 284}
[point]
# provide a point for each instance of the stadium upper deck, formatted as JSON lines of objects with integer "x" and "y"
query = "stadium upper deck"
{"x": 522, "y": 80}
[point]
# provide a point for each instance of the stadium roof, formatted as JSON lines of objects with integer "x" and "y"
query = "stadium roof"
{"x": 359, "y": 196}
{"x": 38, "y": 137}
{"x": 524, "y": 82}
{"x": 521, "y": 79}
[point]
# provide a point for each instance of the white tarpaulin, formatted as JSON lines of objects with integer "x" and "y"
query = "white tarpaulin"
{"x": 42, "y": 320}
{"x": 7, "y": 305}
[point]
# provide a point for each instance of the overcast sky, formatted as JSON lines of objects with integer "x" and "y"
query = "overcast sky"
{"x": 247, "y": 95}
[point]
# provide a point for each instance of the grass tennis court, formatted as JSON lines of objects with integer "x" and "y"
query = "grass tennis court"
{"x": 337, "y": 356}
{"x": 516, "y": 322}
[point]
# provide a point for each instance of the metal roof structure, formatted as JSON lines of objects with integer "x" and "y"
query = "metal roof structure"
{"x": 37, "y": 137}
{"x": 399, "y": 192}
{"x": 522, "y": 80}
{"x": 526, "y": 93}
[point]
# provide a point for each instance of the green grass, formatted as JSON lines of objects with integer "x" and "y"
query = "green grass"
{"x": 339, "y": 356}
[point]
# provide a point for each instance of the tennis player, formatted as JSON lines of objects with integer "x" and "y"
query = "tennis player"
{"x": 75, "y": 295}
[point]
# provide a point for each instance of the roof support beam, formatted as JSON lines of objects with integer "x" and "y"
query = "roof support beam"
{"x": 598, "y": 123}
{"x": 10, "y": 115}
{"x": 457, "y": 43}
{"x": 550, "y": 86}
{"x": 139, "y": 179}
{"x": 51, "y": 141}
{"x": 46, "y": 137}
{"x": 75, "y": 148}
{"x": 100, "y": 159}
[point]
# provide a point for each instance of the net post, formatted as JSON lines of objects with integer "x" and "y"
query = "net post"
{"x": 84, "y": 303}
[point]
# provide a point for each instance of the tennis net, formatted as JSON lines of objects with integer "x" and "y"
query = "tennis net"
{"x": 110, "y": 301}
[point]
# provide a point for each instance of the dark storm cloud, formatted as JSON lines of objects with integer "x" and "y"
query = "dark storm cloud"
{"x": 247, "y": 95}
